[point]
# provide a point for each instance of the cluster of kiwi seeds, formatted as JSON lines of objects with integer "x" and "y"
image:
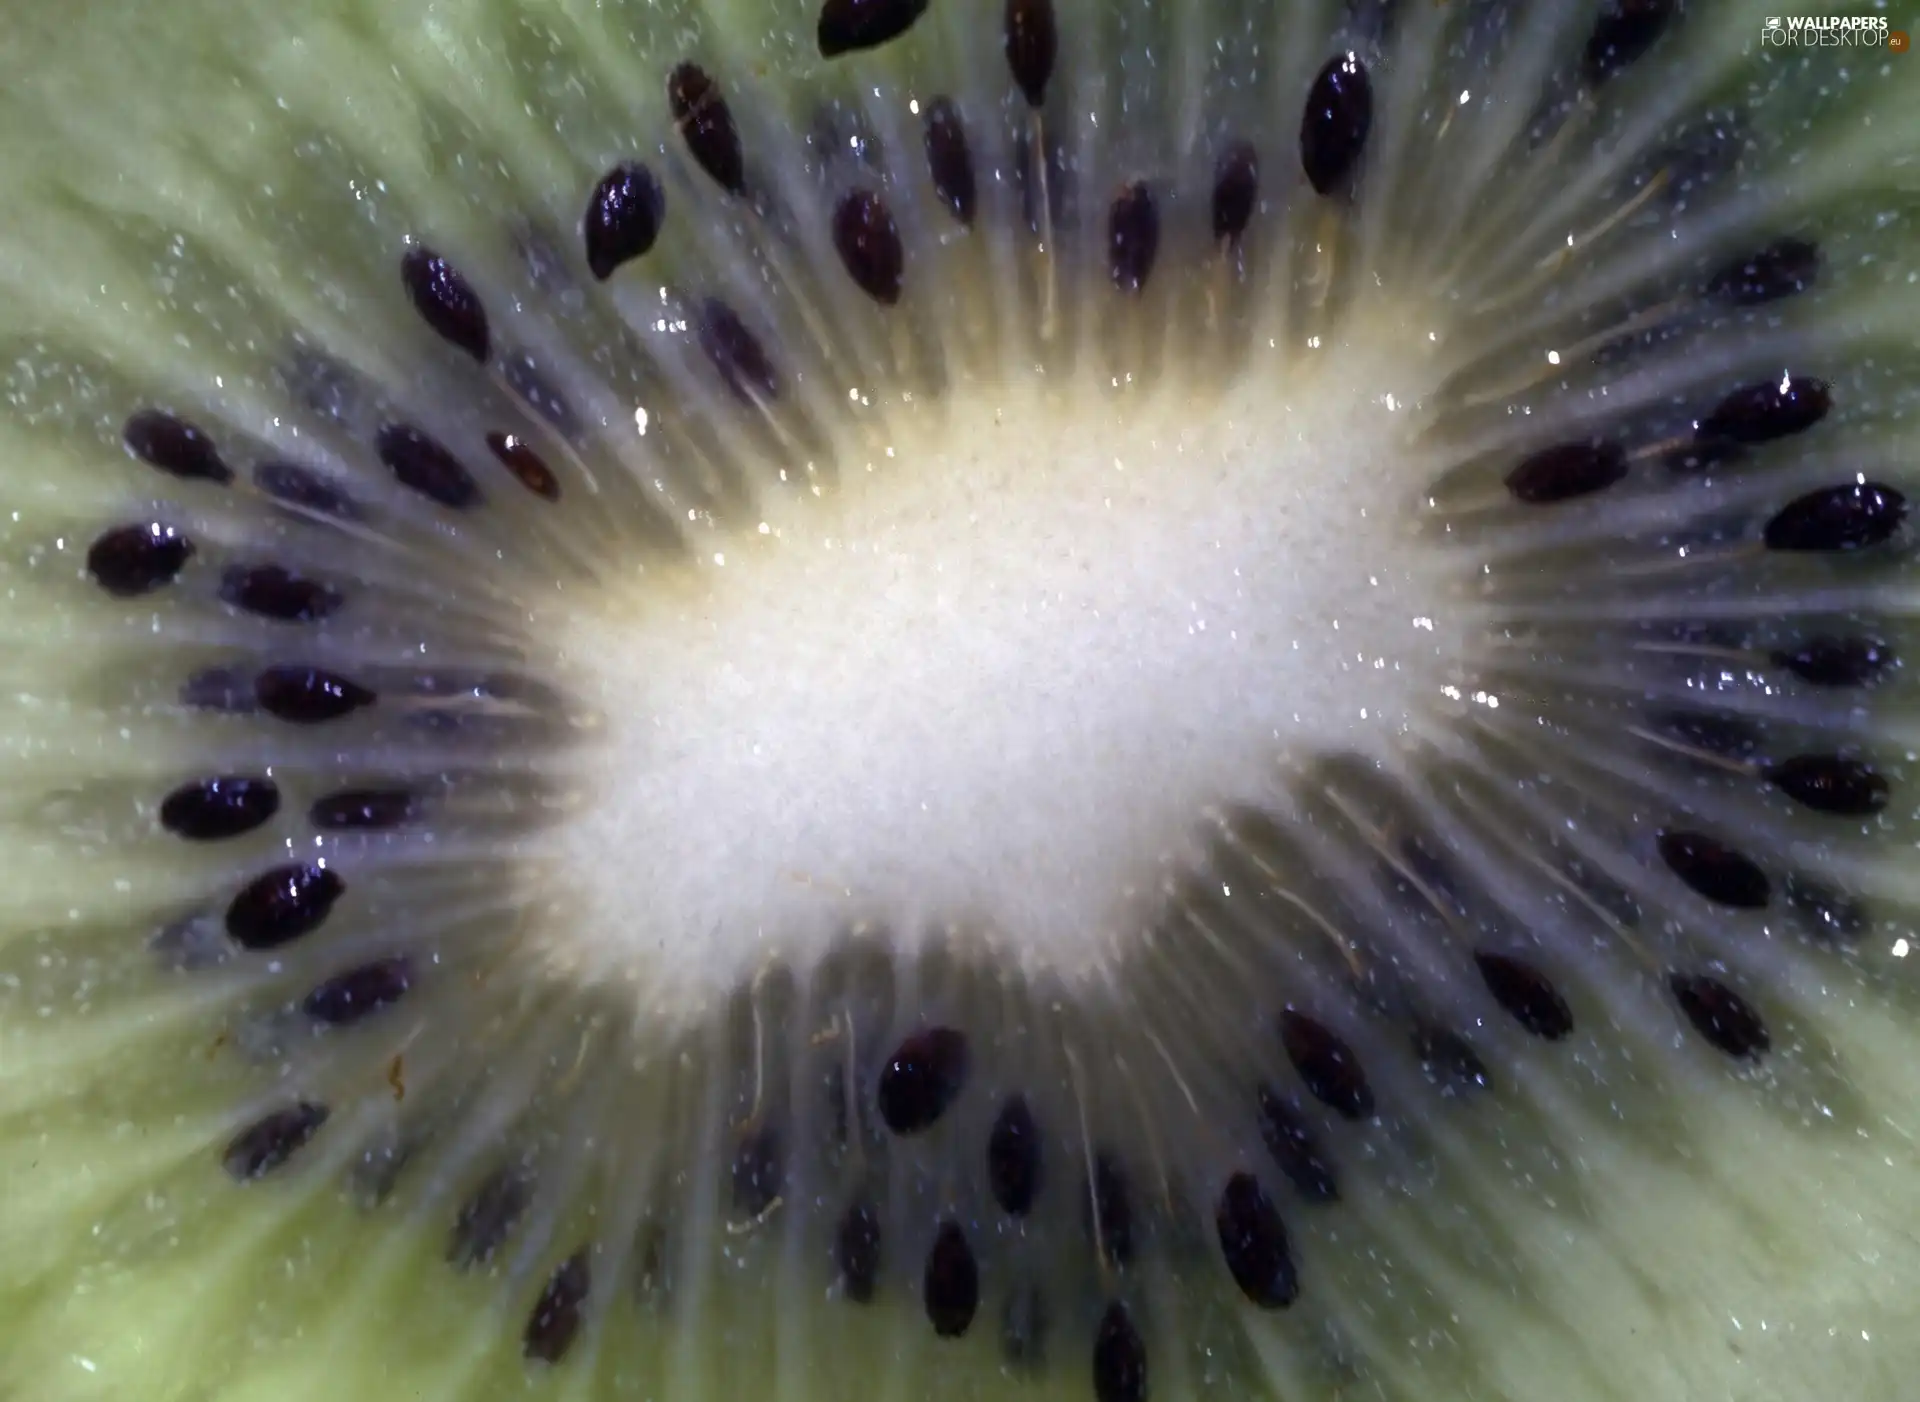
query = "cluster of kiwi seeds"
{"x": 335, "y": 440}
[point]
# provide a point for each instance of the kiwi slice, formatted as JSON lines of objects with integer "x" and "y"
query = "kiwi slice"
{"x": 943, "y": 699}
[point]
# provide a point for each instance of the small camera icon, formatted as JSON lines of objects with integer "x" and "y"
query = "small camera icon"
{"x": 1773, "y": 21}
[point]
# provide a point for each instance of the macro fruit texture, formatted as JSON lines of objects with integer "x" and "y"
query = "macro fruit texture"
{"x": 955, "y": 699}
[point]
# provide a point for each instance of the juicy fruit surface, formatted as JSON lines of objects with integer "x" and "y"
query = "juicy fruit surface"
{"x": 507, "y": 1043}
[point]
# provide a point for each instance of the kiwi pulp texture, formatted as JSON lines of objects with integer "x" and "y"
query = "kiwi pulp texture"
{"x": 952, "y": 699}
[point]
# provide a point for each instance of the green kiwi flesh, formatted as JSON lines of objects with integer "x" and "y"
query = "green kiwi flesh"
{"x": 955, "y": 700}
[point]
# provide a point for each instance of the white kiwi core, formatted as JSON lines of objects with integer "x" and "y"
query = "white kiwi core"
{"x": 993, "y": 679}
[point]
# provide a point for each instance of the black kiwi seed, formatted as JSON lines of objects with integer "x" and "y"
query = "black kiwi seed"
{"x": 1335, "y": 125}
{"x": 1032, "y": 44}
{"x": 446, "y": 301}
{"x": 283, "y": 904}
{"x": 706, "y": 124}
{"x": 850, "y": 25}
{"x": 293, "y": 485}
{"x": 361, "y": 810}
{"x": 1328, "y": 1065}
{"x": 1448, "y": 1057}
{"x": 1845, "y": 788}
{"x": 951, "y": 1284}
{"x": 623, "y": 218}
{"x": 308, "y": 695}
{"x": 868, "y": 243}
{"x": 1623, "y": 33}
{"x": 1110, "y": 1210}
{"x": 736, "y": 353}
{"x": 922, "y": 1079}
{"x": 1023, "y": 1326}
{"x": 856, "y": 1251}
{"x": 949, "y": 161}
{"x": 1837, "y": 661}
{"x": 488, "y": 1218}
{"x": 1835, "y": 519}
{"x": 270, "y": 1141}
{"x": 359, "y": 993}
{"x": 1720, "y": 1015}
{"x": 210, "y": 810}
{"x": 1288, "y": 1139}
{"x": 129, "y": 561}
{"x": 175, "y": 446}
{"x": 1119, "y": 1358}
{"x": 555, "y": 1319}
{"x": 1253, "y": 1240}
{"x": 422, "y": 464}
{"x": 1770, "y": 409}
{"x": 1133, "y": 237}
{"x": 1781, "y": 269}
{"x": 1715, "y": 871}
{"x": 1566, "y": 471}
{"x": 272, "y": 591}
{"x": 1526, "y": 994}
{"x": 1236, "y": 188}
{"x": 759, "y": 1171}
{"x": 1013, "y": 1157}
{"x": 529, "y": 469}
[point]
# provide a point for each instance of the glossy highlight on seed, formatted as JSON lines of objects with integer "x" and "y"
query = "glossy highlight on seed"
{"x": 1327, "y": 1065}
{"x": 274, "y": 592}
{"x": 1119, "y": 1357}
{"x": 529, "y": 469}
{"x": 1783, "y": 268}
{"x": 175, "y": 446}
{"x": 1253, "y": 1242}
{"x": 1715, "y": 871}
{"x": 1032, "y": 43}
{"x": 283, "y": 904}
{"x": 1834, "y": 520}
{"x": 1723, "y": 1017}
{"x": 706, "y": 125}
{"x": 213, "y": 810}
{"x": 1133, "y": 237}
{"x": 1337, "y": 121}
{"x": 446, "y": 301}
{"x": 357, "y": 994}
{"x": 868, "y": 242}
{"x": 623, "y": 218}
{"x": 308, "y": 695}
{"x": 1236, "y": 189}
{"x": 421, "y": 463}
{"x": 847, "y": 26}
{"x": 556, "y": 1316}
{"x": 1769, "y": 410}
{"x": 1525, "y": 994}
{"x": 922, "y": 1079}
{"x": 269, "y": 1142}
{"x": 1567, "y": 471}
{"x": 1832, "y": 784}
{"x": 950, "y": 160}
{"x": 950, "y": 1284}
{"x": 129, "y": 561}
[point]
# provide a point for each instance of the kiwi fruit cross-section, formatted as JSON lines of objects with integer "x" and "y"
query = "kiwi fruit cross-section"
{"x": 940, "y": 699}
